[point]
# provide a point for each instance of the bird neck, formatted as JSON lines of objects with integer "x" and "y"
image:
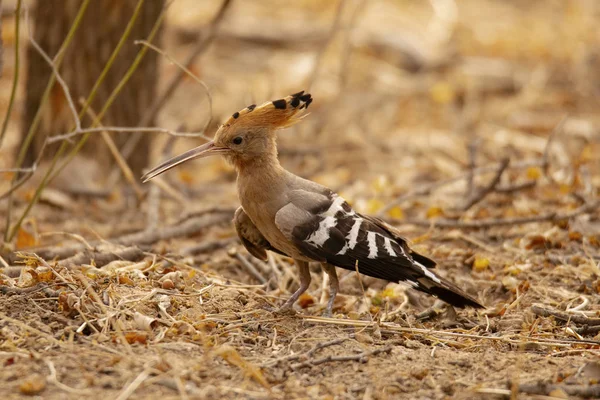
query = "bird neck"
{"x": 260, "y": 179}
{"x": 265, "y": 167}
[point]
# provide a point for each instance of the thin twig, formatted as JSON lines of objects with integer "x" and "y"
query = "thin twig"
{"x": 120, "y": 129}
{"x": 477, "y": 195}
{"x": 516, "y": 187}
{"x": 186, "y": 228}
{"x": 430, "y": 187}
{"x": 45, "y": 264}
{"x": 19, "y": 181}
{"x": 51, "y": 173}
{"x": 191, "y": 75}
{"x": 473, "y": 146}
{"x": 114, "y": 150}
{"x": 53, "y": 378}
{"x": 22, "y": 325}
{"x": 161, "y": 99}
{"x": 17, "y": 69}
{"x": 546, "y": 154}
{"x": 3, "y": 262}
{"x": 543, "y": 388}
{"x": 248, "y": 265}
{"x": 19, "y": 170}
{"x": 102, "y": 258}
{"x": 486, "y": 223}
{"x": 309, "y": 353}
{"x": 130, "y": 388}
{"x": 178, "y": 78}
{"x": 59, "y": 78}
{"x": 510, "y": 338}
{"x": 564, "y": 316}
{"x": 25, "y": 290}
{"x": 361, "y": 357}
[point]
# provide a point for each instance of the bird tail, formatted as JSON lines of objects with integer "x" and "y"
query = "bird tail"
{"x": 434, "y": 284}
{"x": 276, "y": 114}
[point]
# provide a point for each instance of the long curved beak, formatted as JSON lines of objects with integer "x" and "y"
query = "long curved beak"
{"x": 207, "y": 149}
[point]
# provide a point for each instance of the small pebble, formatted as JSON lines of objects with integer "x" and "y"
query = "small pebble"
{"x": 168, "y": 284}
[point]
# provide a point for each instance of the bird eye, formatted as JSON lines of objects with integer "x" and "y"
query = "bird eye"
{"x": 237, "y": 140}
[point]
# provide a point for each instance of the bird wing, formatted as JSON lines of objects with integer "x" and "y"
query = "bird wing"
{"x": 324, "y": 227}
{"x": 250, "y": 236}
{"x": 395, "y": 233}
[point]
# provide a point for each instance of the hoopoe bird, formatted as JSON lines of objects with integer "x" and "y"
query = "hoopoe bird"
{"x": 301, "y": 219}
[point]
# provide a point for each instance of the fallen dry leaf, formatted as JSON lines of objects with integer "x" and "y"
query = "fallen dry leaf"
{"x": 33, "y": 384}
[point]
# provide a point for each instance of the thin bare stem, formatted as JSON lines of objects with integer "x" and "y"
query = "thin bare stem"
{"x": 112, "y": 57}
{"x": 74, "y": 133}
{"x": 114, "y": 150}
{"x": 57, "y": 62}
{"x": 174, "y": 83}
{"x": 191, "y": 75}
{"x": 430, "y": 187}
{"x": 18, "y": 181}
{"x": 13, "y": 91}
{"x": 475, "y": 196}
{"x": 487, "y": 223}
{"x": 116, "y": 90}
{"x": 19, "y": 170}
{"x": 24, "y": 178}
{"x": 51, "y": 173}
{"x": 177, "y": 79}
{"x": 57, "y": 76}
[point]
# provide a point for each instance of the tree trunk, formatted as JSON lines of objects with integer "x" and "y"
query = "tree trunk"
{"x": 103, "y": 24}
{"x": 1, "y": 65}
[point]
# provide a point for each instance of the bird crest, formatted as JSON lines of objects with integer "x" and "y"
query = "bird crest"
{"x": 276, "y": 114}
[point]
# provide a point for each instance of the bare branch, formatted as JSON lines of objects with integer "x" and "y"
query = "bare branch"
{"x": 477, "y": 195}
{"x": 191, "y": 75}
{"x": 26, "y": 175}
{"x": 430, "y": 187}
{"x": 360, "y": 357}
{"x": 248, "y": 265}
{"x": 487, "y": 223}
{"x": 564, "y": 316}
{"x": 160, "y": 100}
{"x": 59, "y": 78}
{"x": 72, "y": 134}
{"x": 473, "y": 146}
{"x": 200, "y": 48}
{"x": 19, "y": 170}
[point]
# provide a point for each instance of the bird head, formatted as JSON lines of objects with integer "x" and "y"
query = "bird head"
{"x": 247, "y": 135}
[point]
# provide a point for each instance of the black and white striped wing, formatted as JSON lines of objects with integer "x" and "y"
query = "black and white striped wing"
{"x": 326, "y": 228}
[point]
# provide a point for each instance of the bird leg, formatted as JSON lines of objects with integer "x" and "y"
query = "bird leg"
{"x": 304, "y": 284}
{"x": 334, "y": 286}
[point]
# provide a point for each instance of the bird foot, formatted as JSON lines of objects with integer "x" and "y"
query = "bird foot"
{"x": 329, "y": 308}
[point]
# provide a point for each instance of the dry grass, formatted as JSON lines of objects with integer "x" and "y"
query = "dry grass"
{"x": 475, "y": 132}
